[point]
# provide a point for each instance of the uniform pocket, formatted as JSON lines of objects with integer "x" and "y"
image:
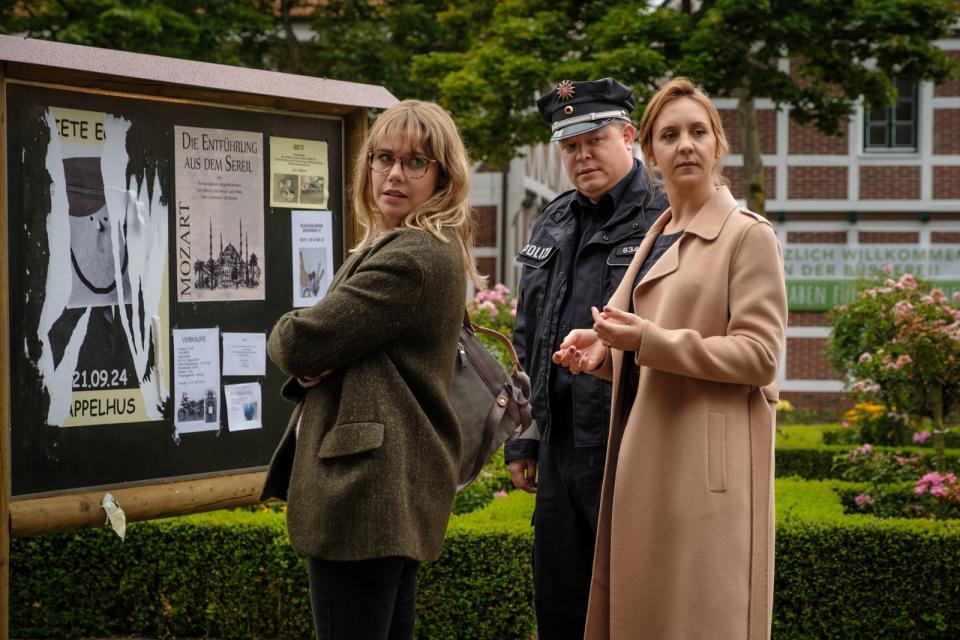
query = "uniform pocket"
{"x": 350, "y": 439}
{"x": 716, "y": 453}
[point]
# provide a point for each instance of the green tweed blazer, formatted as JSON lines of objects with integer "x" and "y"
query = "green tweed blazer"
{"x": 373, "y": 471}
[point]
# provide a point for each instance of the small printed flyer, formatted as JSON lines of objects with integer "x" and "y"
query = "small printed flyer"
{"x": 196, "y": 370}
{"x": 243, "y": 406}
{"x": 312, "y": 256}
{"x": 299, "y": 173}
{"x": 244, "y": 354}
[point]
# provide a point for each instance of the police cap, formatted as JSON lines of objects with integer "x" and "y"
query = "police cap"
{"x": 573, "y": 108}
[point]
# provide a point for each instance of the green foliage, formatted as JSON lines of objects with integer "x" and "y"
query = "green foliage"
{"x": 481, "y": 587}
{"x": 234, "y": 32}
{"x": 486, "y": 60}
{"x": 880, "y": 466}
{"x": 810, "y": 464}
{"x": 840, "y": 577}
{"x": 223, "y": 575}
{"x": 494, "y": 480}
{"x": 495, "y": 309}
{"x": 898, "y": 500}
{"x": 875, "y": 423}
{"x": 234, "y": 575}
{"x": 815, "y": 452}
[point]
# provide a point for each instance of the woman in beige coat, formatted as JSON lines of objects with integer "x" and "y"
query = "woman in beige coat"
{"x": 692, "y": 338}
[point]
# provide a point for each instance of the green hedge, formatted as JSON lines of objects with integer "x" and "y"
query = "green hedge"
{"x": 801, "y": 453}
{"x": 234, "y": 575}
{"x": 848, "y": 577}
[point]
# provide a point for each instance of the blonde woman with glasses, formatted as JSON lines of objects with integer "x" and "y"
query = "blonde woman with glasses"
{"x": 369, "y": 462}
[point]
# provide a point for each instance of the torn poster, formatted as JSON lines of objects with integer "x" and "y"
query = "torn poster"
{"x": 102, "y": 327}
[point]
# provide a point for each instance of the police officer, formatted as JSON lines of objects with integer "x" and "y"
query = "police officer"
{"x": 578, "y": 252}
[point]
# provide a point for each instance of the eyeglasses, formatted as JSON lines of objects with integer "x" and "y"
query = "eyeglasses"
{"x": 413, "y": 165}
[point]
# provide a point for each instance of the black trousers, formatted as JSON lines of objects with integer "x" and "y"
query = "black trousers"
{"x": 569, "y": 480}
{"x": 364, "y": 599}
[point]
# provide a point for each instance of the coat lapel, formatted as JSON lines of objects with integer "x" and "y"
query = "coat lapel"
{"x": 621, "y": 297}
{"x": 706, "y": 225}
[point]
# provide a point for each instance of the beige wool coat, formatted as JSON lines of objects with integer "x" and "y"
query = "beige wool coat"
{"x": 685, "y": 537}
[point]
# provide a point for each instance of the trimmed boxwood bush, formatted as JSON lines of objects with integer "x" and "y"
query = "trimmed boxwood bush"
{"x": 848, "y": 577}
{"x": 800, "y": 452}
{"x": 234, "y": 575}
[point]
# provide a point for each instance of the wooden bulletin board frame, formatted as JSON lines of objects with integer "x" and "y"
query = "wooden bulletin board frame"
{"x": 84, "y": 71}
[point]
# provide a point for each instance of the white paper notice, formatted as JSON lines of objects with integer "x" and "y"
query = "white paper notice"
{"x": 243, "y": 406}
{"x": 244, "y": 354}
{"x": 312, "y": 256}
{"x": 196, "y": 371}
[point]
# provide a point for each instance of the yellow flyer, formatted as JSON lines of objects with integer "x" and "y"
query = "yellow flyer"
{"x": 299, "y": 173}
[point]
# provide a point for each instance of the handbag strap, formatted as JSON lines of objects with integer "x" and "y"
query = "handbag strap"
{"x": 515, "y": 396}
{"x": 496, "y": 335}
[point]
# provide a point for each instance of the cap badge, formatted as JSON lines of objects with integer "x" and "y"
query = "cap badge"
{"x": 565, "y": 90}
{"x": 568, "y": 110}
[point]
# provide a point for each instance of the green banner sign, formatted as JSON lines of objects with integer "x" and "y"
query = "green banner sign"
{"x": 821, "y": 295}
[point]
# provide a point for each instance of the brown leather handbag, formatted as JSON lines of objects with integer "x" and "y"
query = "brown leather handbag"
{"x": 492, "y": 406}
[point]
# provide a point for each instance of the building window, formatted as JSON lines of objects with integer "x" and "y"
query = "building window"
{"x": 893, "y": 128}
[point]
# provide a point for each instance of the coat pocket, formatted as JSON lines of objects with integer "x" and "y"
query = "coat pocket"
{"x": 716, "y": 453}
{"x": 351, "y": 438}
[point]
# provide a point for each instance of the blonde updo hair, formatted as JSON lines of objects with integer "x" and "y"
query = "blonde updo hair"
{"x": 425, "y": 126}
{"x": 673, "y": 90}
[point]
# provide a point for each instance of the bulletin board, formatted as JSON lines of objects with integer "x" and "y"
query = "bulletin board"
{"x": 152, "y": 245}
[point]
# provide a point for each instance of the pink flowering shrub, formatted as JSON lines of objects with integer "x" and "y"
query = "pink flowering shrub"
{"x": 899, "y": 342}
{"x": 899, "y": 484}
{"x": 866, "y": 464}
{"x": 939, "y": 485}
{"x": 495, "y": 309}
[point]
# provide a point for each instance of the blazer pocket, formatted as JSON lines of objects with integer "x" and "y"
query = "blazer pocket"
{"x": 351, "y": 438}
{"x": 716, "y": 453}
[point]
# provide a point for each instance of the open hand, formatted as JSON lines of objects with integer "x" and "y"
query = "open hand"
{"x": 581, "y": 350}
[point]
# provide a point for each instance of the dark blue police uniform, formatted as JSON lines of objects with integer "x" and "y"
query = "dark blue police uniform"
{"x": 577, "y": 254}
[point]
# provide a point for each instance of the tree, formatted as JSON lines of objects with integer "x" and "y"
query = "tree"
{"x": 373, "y": 41}
{"x": 838, "y": 52}
{"x": 238, "y": 32}
{"x": 484, "y": 60}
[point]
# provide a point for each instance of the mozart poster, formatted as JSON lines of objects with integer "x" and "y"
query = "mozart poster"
{"x": 219, "y": 214}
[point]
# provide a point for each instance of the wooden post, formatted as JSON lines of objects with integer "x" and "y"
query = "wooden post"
{"x": 59, "y": 514}
{"x": 4, "y": 378}
{"x": 355, "y": 132}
